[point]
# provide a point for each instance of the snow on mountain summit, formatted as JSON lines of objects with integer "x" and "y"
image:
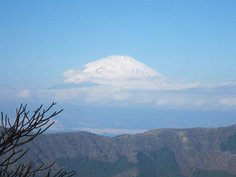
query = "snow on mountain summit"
{"x": 119, "y": 67}
{"x": 113, "y": 68}
{"x": 122, "y": 72}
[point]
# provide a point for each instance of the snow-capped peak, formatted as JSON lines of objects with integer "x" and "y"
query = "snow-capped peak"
{"x": 122, "y": 72}
{"x": 119, "y": 67}
{"x": 118, "y": 71}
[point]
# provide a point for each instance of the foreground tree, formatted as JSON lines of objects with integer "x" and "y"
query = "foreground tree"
{"x": 14, "y": 135}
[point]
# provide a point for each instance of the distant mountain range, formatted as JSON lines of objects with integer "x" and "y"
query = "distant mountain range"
{"x": 195, "y": 152}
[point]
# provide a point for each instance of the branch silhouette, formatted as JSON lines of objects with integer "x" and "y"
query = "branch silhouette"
{"x": 24, "y": 129}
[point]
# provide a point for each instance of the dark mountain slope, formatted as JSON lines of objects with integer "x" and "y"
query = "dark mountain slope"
{"x": 156, "y": 153}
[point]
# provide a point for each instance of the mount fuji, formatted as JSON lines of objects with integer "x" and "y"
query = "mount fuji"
{"x": 121, "y": 72}
{"x": 114, "y": 67}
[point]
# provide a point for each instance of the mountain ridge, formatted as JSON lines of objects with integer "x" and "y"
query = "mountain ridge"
{"x": 191, "y": 152}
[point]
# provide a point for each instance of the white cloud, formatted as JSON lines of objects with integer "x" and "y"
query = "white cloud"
{"x": 228, "y": 101}
{"x": 109, "y": 95}
{"x": 95, "y": 94}
{"x": 15, "y": 93}
{"x": 122, "y": 96}
{"x": 24, "y": 93}
{"x": 197, "y": 98}
{"x": 74, "y": 76}
{"x": 62, "y": 94}
{"x": 182, "y": 100}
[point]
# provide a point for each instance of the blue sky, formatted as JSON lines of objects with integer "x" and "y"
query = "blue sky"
{"x": 188, "y": 41}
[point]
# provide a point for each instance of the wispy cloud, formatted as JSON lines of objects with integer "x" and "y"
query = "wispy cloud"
{"x": 15, "y": 93}
{"x": 24, "y": 93}
{"x": 111, "y": 131}
{"x": 200, "y": 98}
{"x": 228, "y": 102}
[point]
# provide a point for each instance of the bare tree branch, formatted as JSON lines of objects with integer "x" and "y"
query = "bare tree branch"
{"x": 24, "y": 129}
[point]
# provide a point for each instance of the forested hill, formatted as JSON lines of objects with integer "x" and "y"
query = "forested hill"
{"x": 196, "y": 152}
